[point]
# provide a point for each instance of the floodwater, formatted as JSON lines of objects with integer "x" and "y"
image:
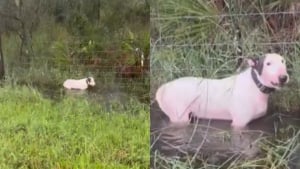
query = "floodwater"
{"x": 116, "y": 93}
{"x": 214, "y": 140}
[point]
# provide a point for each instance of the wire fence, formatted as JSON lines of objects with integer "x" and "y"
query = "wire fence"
{"x": 209, "y": 46}
{"x": 190, "y": 42}
{"x": 154, "y": 17}
{"x": 118, "y": 72}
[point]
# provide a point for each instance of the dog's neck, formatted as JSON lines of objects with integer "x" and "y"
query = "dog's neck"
{"x": 264, "y": 89}
{"x": 88, "y": 84}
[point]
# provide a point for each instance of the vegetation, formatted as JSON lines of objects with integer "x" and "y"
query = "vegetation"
{"x": 43, "y": 43}
{"x": 72, "y": 133}
{"x": 71, "y": 38}
{"x": 279, "y": 153}
{"x": 204, "y": 38}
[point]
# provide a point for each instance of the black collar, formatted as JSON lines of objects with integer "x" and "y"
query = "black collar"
{"x": 261, "y": 87}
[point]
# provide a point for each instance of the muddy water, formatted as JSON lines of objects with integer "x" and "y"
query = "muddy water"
{"x": 214, "y": 140}
{"x": 101, "y": 93}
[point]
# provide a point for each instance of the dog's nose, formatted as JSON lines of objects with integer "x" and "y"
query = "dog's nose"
{"x": 283, "y": 78}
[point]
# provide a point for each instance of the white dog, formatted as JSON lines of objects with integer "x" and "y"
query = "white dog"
{"x": 81, "y": 84}
{"x": 240, "y": 98}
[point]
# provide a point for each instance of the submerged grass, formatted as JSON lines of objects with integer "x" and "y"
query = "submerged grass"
{"x": 72, "y": 133}
{"x": 276, "y": 153}
{"x": 211, "y": 52}
{"x": 168, "y": 63}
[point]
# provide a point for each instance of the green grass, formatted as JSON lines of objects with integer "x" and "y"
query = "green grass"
{"x": 188, "y": 43}
{"x": 60, "y": 55}
{"x": 168, "y": 63}
{"x": 72, "y": 133}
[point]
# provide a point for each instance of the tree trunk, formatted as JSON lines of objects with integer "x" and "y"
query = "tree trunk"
{"x": 2, "y": 69}
{"x": 26, "y": 50}
{"x": 99, "y": 13}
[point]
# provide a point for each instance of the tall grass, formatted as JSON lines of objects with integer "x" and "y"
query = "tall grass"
{"x": 59, "y": 55}
{"x": 73, "y": 133}
{"x": 214, "y": 54}
{"x": 191, "y": 38}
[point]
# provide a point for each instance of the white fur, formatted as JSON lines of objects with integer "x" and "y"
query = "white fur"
{"x": 80, "y": 84}
{"x": 235, "y": 98}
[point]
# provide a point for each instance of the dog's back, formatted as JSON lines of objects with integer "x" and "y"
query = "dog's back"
{"x": 197, "y": 95}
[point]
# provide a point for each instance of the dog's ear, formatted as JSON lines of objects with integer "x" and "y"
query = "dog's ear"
{"x": 257, "y": 63}
{"x": 252, "y": 62}
{"x": 88, "y": 80}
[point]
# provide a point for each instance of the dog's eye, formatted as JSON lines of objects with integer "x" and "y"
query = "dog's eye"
{"x": 268, "y": 63}
{"x": 282, "y": 61}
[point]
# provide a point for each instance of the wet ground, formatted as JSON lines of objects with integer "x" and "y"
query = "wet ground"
{"x": 213, "y": 140}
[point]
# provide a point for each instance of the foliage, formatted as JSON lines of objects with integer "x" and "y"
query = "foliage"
{"x": 186, "y": 21}
{"x": 72, "y": 133}
{"x": 74, "y": 39}
{"x": 196, "y": 38}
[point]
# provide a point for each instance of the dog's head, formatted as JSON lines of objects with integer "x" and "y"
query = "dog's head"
{"x": 271, "y": 70}
{"x": 90, "y": 81}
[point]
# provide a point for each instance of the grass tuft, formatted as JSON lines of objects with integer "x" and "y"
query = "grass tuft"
{"x": 73, "y": 133}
